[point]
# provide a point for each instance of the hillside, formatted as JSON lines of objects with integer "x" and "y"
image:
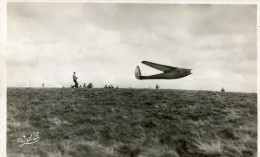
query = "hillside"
{"x": 131, "y": 123}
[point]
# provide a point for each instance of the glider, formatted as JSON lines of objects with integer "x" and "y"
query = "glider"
{"x": 168, "y": 72}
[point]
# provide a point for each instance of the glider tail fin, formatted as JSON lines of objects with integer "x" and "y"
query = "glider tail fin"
{"x": 138, "y": 73}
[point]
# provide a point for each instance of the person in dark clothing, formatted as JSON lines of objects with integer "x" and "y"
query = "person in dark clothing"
{"x": 90, "y": 85}
{"x": 157, "y": 86}
{"x": 75, "y": 80}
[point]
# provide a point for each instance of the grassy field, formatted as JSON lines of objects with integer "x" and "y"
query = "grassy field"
{"x": 131, "y": 123}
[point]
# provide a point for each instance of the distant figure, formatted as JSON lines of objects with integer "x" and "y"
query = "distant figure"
{"x": 105, "y": 86}
{"x": 157, "y": 86}
{"x": 43, "y": 85}
{"x": 75, "y": 80}
{"x": 90, "y": 85}
{"x": 223, "y": 90}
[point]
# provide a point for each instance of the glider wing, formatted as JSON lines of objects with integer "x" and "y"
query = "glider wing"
{"x": 159, "y": 66}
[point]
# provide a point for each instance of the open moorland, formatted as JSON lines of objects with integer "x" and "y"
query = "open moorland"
{"x": 131, "y": 123}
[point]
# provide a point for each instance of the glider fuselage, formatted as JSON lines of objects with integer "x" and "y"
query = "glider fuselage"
{"x": 172, "y": 74}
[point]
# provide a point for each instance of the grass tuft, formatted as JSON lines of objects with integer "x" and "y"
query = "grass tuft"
{"x": 211, "y": 147}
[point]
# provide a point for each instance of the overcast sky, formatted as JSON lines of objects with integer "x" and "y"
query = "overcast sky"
{"x": 103, "y": 44}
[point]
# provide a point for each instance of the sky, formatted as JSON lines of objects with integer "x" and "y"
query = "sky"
{"x": 103, "y": 44}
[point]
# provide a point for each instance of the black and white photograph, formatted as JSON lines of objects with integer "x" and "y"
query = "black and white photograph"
{"x": 87, "y": 79}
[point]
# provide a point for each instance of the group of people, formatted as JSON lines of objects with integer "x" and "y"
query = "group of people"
{"x": 110, "y": 86}
{"x": 90, "y": 85}
{"x": 75, "y": 78}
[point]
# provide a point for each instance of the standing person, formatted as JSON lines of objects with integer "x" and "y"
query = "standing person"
{"x": 157, "y": 86}
{"x": 90, "y": 85}
{"x": 75, "y": 80}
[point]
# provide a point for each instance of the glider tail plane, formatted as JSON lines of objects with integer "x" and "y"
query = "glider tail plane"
{"x": 138, "y": 73}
